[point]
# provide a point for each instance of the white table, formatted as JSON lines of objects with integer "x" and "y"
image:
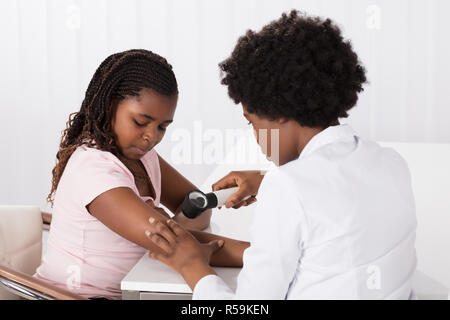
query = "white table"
{"x": 152, "y": 280}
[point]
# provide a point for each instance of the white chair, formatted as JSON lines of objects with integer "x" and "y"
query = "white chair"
{"x": 20, "y": 255}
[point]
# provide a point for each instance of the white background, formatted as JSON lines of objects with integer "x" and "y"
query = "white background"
{"x": 50, "y": 50}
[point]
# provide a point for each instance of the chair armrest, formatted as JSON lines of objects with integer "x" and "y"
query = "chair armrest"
{"x": 46, "y": 220}
{"x": 33, "y": 288}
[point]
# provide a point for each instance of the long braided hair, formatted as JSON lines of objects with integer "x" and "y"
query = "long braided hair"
{"x": 119, "y": 76}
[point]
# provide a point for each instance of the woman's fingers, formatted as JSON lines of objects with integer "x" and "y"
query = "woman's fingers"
{"x": 236, "y": 200}
{"x": 245, "y": 203}
{"x": 244, "y": 180}
{"x": 250, "y": 200}
{"x": 164, "y": 236}
{"x": 228, "y": 181}
{"x": 163, "y": 230}
{"x": 159, "y": 241}
{"x": 240, "y": 204}
{"x": 157, "y": 256}
{"x": 236, "y": 197}
{"x": 175, "y": 227}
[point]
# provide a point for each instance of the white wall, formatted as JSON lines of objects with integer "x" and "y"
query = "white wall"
{"x": 50, "y": 49}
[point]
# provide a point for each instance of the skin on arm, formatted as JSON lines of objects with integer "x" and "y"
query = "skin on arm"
{"x": 122, "y": 211}
{"x": 231, "y": 253}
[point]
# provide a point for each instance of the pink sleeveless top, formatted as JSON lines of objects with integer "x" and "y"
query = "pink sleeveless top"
{"x": 83, "y": 255}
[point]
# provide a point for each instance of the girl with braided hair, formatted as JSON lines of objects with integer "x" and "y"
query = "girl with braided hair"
{"x": 109, "y": 181}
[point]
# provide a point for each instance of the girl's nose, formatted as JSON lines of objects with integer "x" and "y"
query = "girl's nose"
{"x": 151, "y": 134}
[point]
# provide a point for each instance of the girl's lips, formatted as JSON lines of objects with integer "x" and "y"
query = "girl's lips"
{"x": 139, "y": 150}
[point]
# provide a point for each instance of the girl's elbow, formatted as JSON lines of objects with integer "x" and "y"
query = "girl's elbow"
{"x": 205, "y": 219}
{"x": 201, "y": 222}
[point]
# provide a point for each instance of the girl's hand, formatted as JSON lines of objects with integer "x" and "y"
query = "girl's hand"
{"x": 182, "y": 252}
{"x": 248, "y": 183}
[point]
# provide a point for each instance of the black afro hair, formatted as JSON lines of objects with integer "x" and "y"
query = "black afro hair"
{"x": 296, "y": 67}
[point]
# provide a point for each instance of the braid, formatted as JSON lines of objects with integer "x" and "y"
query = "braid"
{"x": 120, "y": 75}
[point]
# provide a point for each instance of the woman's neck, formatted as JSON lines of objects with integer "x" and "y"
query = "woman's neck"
{"x": 306, "y": 134}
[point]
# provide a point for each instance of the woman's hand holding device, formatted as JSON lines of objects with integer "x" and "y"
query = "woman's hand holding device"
{"x": 248, "y": 183}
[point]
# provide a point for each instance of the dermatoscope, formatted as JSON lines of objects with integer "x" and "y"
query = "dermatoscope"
{"x": 196, "y": 202}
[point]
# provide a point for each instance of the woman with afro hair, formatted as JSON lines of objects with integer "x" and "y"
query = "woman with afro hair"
{"x": 335, "y": 219}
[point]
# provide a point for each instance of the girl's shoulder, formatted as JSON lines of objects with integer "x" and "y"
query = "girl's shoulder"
{"x": 85, "y": 157}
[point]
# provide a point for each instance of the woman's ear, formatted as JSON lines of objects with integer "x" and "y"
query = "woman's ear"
{"x": 282, "y": 120}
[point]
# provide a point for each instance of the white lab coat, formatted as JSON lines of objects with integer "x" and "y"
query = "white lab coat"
{"x": 336, "y": 223}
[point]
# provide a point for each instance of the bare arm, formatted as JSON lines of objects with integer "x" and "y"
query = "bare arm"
{"x": 122, "y": 211}
{"x": 230, "y": 255}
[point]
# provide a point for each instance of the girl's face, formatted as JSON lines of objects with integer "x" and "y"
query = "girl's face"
{"x": 278, "y": 139}
{"x": 140, "y": 123}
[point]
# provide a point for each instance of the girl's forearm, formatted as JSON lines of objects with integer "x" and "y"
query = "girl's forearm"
{"x": 230, "y": 255}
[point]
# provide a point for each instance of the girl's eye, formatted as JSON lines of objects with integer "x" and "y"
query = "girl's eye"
{"x": 139, "y": 124}
{"x": 162, "y": 128}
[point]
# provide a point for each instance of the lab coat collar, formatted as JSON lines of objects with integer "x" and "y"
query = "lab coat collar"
{"x": 327, "y": 136}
